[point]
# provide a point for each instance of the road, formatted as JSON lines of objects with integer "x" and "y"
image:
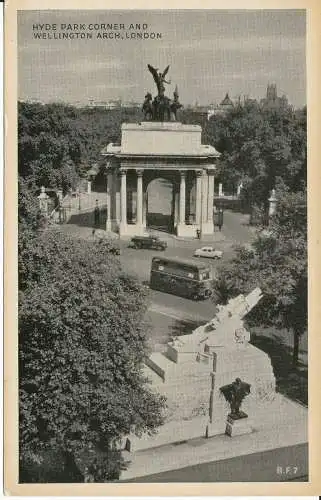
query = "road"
{"x": 282, "y": 464}
{"x": 170, "y": 315}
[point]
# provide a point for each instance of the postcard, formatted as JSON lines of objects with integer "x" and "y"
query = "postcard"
{"x": 161, "y": 201}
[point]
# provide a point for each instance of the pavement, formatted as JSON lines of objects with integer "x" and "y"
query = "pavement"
{"x": 283, "y": 424}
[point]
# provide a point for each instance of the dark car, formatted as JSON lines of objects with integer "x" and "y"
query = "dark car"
{"x": 152, "y": 242}
{"x": 114, "y": 250}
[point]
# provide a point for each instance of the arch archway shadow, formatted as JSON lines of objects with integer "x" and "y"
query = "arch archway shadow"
{"x": 160, "y": 203}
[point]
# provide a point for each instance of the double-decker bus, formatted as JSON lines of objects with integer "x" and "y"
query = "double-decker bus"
{"x": 181, "y": 277}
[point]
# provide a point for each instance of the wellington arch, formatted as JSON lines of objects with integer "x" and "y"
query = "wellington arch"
{"x": 167, "y": 150}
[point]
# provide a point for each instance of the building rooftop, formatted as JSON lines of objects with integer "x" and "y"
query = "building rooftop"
{"x": 227, "y": 101}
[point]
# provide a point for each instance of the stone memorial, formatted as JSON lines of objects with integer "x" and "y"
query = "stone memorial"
{"x": 160, "y": 147}
{"x": 194, "y": 369}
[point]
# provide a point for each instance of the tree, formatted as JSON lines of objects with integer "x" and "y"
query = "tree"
{"x": 260, "y": 147}
{"x": 277, "y": 263}
{"x": 81, "y": 348}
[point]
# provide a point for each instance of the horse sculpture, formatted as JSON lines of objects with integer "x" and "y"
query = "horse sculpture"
{"x": 161, "y": 108}
{"x": 147, "y": 107}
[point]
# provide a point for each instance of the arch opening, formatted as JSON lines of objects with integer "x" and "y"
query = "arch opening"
{"x": 160, "y": 205}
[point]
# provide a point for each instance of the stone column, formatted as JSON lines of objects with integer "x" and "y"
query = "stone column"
{"x": 207, "y": 226}
{"x": 272, "y": 203}
{"x": 182, "y": 198}
{"x": 210, "y": 195}
{"x": 60, "y": 195}
{"x": 220, "y": 189}
{"x": 116, "y": 198}
{"x": 204, "y": 196}
{"x": 176, "y": 208}
{"x": 123, "y": 201}
{"x": 198, "y": 208}
{"x": 43, "y": 201}
{"x": 145, "y": 208}
{"x": 89, "y": 187}
{"x": 109, "y": 198}
{"x": 139, "y": 200}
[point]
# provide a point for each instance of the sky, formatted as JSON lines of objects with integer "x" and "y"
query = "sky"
{"x": 210, "y": 53}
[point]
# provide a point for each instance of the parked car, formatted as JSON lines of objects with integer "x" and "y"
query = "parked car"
{"x": 152, "y": 242}
{"x": 114, "y": 250}
{"x": 208, "y": 252}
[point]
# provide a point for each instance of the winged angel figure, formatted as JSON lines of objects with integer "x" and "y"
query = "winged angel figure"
{"x": 159, "y": 78}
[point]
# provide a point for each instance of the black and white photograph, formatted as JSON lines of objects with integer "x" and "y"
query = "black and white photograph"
{"x": 162, "y": 184}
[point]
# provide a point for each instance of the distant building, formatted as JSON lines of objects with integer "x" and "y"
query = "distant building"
{"x": 113, "y": 104}
{"x": 32, "y": 101}
{"x": 199, "y": 109}
{"x": 226, "y": 104}
{"x": 272, "y": 101}
{"x": 222, "y": 108}
{"x": 131, "y": 104}
{"x": 78, "y": 104}
{"x": 104, "y": 104}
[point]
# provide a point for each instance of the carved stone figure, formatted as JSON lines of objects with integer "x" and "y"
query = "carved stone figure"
{"x": 175, "y": 105}
{"x": 234, "y": 394}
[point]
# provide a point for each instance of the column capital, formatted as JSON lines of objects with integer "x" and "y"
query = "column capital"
{"x": 123, "y": 171}
{"x": 139, "y": 172}
{"x": 198, "y": 173}
{"x": 183, "y": 173}
{"x": 210, "y": 170}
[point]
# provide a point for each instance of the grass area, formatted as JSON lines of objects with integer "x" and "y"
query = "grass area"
{"x": 291, "y": 382}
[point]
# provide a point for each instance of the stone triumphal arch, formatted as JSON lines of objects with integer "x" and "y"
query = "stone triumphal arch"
{"x": 168, "y": 150}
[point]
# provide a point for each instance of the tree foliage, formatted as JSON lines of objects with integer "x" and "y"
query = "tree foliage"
{"x": 263, "y": 148}
{"x": 81, "y": 348}
{"x": 58, "y": 143}
{"x": 277, "y": 263}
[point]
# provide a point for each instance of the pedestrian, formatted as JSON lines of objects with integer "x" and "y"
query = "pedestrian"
{"x": 198, "y": 234}
{"x": 220, "y": 219}
{"x": 96, "y": 216}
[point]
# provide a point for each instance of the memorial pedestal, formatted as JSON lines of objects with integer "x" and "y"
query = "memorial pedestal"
{"x": 236, "y": 426}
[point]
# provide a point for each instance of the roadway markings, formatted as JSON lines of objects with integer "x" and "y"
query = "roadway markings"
{"x": 177, "y": 315}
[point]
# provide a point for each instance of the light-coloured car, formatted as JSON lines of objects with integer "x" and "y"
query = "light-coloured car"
{"x": 208, "y": 252}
